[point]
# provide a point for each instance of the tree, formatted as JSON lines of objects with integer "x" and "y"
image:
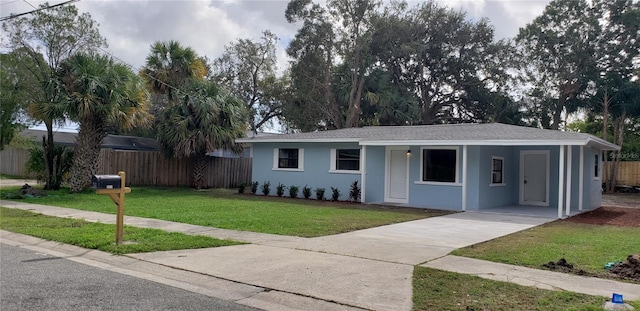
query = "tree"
{"x": 17, "y": 86}
{"x": 169, "y": 67}
{"x": 47, "y": 38}
{"x": 248, "y": 69}
{"x": 558, "y": 51}
{"x": 449, "y": 65}
{"x": 330, "y": 38}
{"x": 205, "y": 118}
{"x": 99, "y": 93}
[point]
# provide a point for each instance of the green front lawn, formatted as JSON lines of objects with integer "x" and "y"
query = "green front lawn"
{"x": 101, "y": 236}
{"x": 224, "y": 209}
{"x": 440, "y": 290}
{"x": 587, "y": 247}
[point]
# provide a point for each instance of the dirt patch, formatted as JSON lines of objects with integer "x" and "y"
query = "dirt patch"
{"x": 606, "y": 215}
{"x": 628, "y": 269}
{"x": 630, "y": 200}
{"x": 563, "y": 266}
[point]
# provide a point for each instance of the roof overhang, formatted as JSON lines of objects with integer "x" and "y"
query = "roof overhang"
{"x": 298, "y": 140}
{"x": 593, "y": 143}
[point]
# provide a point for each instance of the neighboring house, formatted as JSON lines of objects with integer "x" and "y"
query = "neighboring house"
{"x": 455, "y": 167}
{"x": 246, "y": 150}
{"x": 115, "y": 142}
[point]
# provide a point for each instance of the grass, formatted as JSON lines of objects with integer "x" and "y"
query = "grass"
{"x": 587, "y": 247}
{"x": 6, "y": 176}
{"x": 101, "y": 236}
{"x": 224, "y": 209}
{"x": 440, "y": 290}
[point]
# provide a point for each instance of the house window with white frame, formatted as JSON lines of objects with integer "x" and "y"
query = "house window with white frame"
{"x": 288, "y": 158}
{"x": 345, "y": 160}
{"x": 497, "y": 171}
{"x": 596, "y": 164}
{"x": 440, "y": 165}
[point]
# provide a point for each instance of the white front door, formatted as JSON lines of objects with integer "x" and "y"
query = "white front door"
{"x": 534, "y": 178}
{"x": 397, "y": 176}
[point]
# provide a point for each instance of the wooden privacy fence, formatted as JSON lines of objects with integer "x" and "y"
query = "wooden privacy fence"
{"x": 149, "y": 168}
{"x": 629, "y": 173}
{"x": 13, "y": 161}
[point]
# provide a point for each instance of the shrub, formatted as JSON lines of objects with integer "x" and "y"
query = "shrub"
{"x": 266, "y": 188}
{"x": 320, "y": 194}
{"x": 293, "y": 191}
{"x": 306, "y": 192}
{"x": 254, "y": 187}
{"x": 354, "y": 192}
{"x": 241, "y": 187}
{"x": 280, "y": 189}
{"x": 335, "y": 194}
{"x": 63, "y": 160}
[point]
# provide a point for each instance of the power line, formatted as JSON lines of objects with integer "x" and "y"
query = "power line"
{"x": 12, "y": 16}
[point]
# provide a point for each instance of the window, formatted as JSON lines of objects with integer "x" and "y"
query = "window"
{"x": 288, "y": 159}
{"x": 440, "y": 165}
{"x": 345, "y": 159}
{"x": 596, "y": 164}
{"x": 497, "y": 170}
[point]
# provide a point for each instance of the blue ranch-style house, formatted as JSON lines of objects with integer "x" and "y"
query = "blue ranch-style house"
{"x": 460, "y": 167}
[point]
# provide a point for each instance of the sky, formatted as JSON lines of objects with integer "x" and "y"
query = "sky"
{"x": 131, "y": 26}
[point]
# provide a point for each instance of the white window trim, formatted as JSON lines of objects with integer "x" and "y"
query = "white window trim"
{"x": 440, "y": 183}
{"x": 332, "y": 163}
{"x": 276, "y": 157}
{"x": 492, "y": 184}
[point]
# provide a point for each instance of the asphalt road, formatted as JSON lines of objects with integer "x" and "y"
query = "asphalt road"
{"x": 36, "y": 281}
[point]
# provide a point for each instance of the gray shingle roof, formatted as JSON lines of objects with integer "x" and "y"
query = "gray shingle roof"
{"x": 445, "y": 134}
{"x": 118, "y": 142}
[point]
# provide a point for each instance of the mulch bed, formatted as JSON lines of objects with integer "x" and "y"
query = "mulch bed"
{"x": 615, "y": 216}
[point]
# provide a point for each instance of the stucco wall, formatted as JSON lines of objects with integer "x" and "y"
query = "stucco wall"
{"x": 316, "y": 168}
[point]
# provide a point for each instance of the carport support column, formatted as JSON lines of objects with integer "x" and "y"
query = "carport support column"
{"x": 581, "y": 179}
{"x": 560, "y": 181}
{"x": 363, "y": 174}
{"x": 464, "y": 177}
{"x": 568, "y": 212}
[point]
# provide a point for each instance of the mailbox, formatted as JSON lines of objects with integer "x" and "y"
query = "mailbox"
{"x": 105, "y": 182}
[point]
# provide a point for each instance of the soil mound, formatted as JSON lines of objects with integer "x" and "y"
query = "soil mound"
{"x": 628, "y": 269}
{"x": 563, "y": 266}
{"x": 29, "y": 191}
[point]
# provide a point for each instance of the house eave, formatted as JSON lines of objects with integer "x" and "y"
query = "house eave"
{"x": 298, "y": 140}
{"x": 598, "y": 144}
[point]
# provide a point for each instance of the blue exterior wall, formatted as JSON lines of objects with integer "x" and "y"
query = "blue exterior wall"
{"x": 317, "y": 158}
{"x": 440, "y": 196}
{"x": 495, "y": 195}
{"x": 375, "y": 183}
{"x": 481, "y": 194}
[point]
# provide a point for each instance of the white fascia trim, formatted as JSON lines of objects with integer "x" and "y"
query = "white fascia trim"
{"x": 475, "y": 142}
{"x": 298, "y": 140}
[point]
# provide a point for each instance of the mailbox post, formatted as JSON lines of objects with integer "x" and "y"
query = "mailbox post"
{"x": 108, "y": 185}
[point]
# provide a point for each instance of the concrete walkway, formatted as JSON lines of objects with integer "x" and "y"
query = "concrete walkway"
{"x": 367, "y": 269}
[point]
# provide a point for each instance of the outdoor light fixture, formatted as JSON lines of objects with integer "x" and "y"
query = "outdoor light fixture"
{"x": 409, "y": 153}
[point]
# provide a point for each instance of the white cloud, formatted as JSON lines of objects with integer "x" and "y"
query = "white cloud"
{"x": 131, "y": 26}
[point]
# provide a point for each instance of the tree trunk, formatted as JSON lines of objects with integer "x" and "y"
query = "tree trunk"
{"x": 199, "y": 166}
{"x": 85, "y": 159}
{"x": 606, "y": 167}
{"x": 619, "y": 139}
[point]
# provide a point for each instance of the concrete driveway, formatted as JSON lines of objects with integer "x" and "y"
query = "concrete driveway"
{"x": 369, "y": 269}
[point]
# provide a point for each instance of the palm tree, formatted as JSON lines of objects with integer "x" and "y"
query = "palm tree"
{"x": 205, "y": 118}
{"x": 99, "y": 93}
{"x": 170, "y": 65}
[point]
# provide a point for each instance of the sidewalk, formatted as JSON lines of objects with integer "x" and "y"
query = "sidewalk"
{"x": 343, "y": 271}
